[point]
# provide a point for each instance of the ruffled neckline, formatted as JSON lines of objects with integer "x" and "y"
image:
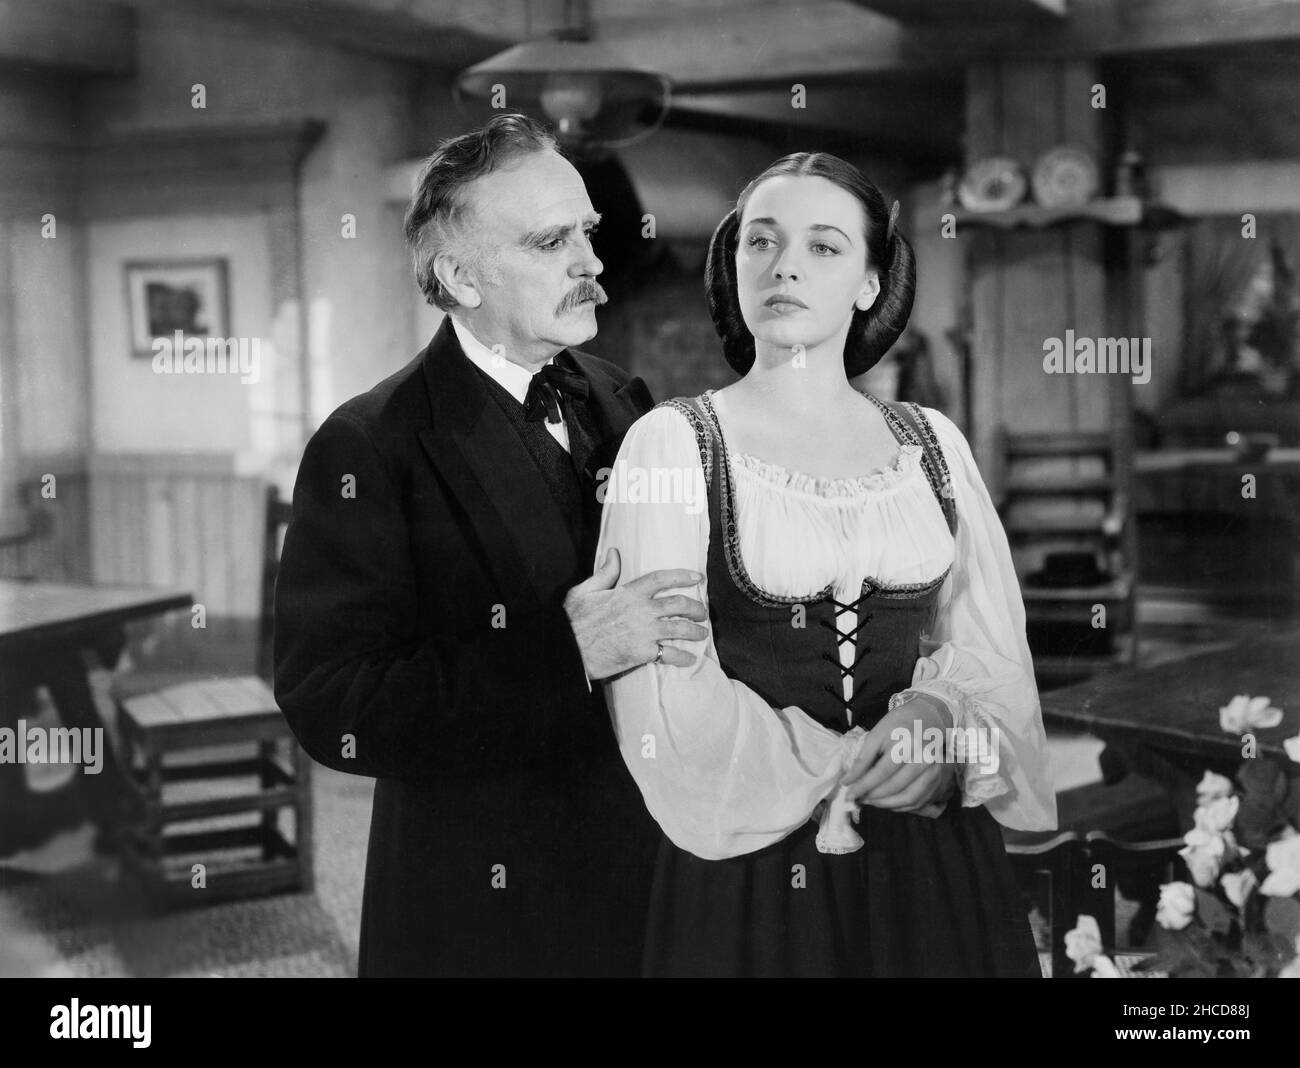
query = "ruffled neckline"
{"x": 905, "y": 465}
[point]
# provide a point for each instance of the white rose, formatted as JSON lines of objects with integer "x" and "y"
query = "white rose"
{"x": 1242, "y": 712}
{"x": 1218, "y": 815}
{"x": 1238, "y": 885}
{"x": 1176, "y": 905}
{"x": 1212, "y": 787}
{"x": 1104, "y": 968}
{"x": 1283, "y": 859}
{"x": 1083, "y": 944}
{"x": 1292, "y": 747}
{"x": 1204, "y": 855}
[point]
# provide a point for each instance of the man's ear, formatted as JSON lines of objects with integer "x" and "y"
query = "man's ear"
{"x": 457, "y": 279}
{"x": 869, "y": 292}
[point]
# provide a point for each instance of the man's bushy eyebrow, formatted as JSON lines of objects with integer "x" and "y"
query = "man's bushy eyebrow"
{"x": 541, "y": 237}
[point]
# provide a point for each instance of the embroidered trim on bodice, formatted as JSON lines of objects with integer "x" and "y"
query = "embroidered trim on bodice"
{"x": 731, "y": 536}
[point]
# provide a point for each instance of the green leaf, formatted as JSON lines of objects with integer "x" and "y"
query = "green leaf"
{"x": 1175, "y": 951}
{"x": 1261, "y": 779}
{"x": 1258, "y": 818}
{"x": 1261, "y": 949}
{"x": 1282, "y": 917}
{"x": 1291, "y": 806}
{"x": 1213, "y": 912}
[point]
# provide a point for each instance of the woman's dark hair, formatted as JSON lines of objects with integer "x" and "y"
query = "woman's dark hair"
{"x": 871, "y": 332}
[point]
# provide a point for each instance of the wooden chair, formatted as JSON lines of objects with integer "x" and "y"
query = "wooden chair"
{"x": 1137, "y": 868}
{"x": 1067, "y": 510}
{"x": 1134, "y": 809}
{"x": 217, "y": 751}
{"x": 1059, "y": 862}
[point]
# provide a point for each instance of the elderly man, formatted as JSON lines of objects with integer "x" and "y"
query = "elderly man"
{"x": 435, "y": 627}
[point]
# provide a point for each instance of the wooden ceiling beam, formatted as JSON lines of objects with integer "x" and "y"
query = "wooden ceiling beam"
{"x": 952, "y": 12}
{"x": 727, "y": 44}
{"x": 929, "y": 125}
{"x": 777, "y": 44}
{"x": 69, "y": 36}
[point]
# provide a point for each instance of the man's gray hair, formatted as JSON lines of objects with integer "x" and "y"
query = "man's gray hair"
{"x": 437, "y": 215}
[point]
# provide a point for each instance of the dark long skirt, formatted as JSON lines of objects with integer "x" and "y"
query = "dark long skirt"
{"x": 923, "y": 897}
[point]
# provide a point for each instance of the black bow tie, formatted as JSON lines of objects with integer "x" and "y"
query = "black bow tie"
{"x": 542, "y": 400}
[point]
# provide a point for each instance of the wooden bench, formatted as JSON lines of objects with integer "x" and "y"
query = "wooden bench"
{"x": 231, "y": 754}
{"x": 216, "y": 754}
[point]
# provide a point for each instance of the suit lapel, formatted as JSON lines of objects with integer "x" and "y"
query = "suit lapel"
{"x": 611, "y": 408}
{"x": 484, "y": 464}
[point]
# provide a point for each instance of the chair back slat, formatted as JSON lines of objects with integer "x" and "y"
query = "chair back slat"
{"x": 1143, "y": 866}
{"x": 278, "y": 512}
{"x": 1060, "y": 859}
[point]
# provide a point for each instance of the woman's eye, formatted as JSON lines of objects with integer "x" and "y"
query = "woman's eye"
{"x": 821, "y": 248}
{"x": 760, "y": 242}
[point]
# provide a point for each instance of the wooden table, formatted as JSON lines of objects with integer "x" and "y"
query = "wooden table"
{"x": 1174, "y": 707}
{"x": 1163, "y": 721}
{"x": 45, "y": 631}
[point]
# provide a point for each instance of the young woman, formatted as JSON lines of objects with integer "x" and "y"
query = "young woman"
{"x": 862, "y": 603}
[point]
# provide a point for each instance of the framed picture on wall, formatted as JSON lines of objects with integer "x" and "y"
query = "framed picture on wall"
{"x": 166, "y": 296}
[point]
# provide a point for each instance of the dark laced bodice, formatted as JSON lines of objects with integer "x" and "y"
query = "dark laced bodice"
{"x": 789, "y": 649}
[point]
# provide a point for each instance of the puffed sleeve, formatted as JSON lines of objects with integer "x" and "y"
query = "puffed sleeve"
{"x": 721, "y": 771}
{"x": 977, "y": 659}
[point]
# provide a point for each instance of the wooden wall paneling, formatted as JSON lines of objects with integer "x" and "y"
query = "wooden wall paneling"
{"x": 983, "y": 111}
{"x": 987, "y": 332}
{"x": 1090, "y": 318}
{"x": 133, "y": 542}
{"x": 211, "y": 524}
{"x": 103, "y": 518}
{"x": 245, "y": 546}
{"x": 63, "y": 554}
{"x": 186, "y": 551}
{"x": 1080, "y": 122}
{"x": 163, "y": 531}
{"x": 1034, "y": 308}
{"x": 1031, "y": 108}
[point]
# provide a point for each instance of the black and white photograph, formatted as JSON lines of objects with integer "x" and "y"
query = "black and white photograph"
{"x": 188, "y": 296}
{"x": 652, "y": 489}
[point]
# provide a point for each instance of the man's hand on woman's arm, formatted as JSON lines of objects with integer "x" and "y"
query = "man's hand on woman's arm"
{"x": 619, "y": 628}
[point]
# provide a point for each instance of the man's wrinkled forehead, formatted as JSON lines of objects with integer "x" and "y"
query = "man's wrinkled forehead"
{"x": 540, "y": 189}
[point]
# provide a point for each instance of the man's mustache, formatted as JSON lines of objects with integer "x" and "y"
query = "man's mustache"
{"x": 586, "y": 290}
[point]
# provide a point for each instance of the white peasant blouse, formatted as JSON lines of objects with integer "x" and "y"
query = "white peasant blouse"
{"x": 722, "y": 771}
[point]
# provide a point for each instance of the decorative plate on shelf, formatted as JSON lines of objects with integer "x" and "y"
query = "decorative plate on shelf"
{"x": 1065, "y": 177}
{"x": 993, "y": 184}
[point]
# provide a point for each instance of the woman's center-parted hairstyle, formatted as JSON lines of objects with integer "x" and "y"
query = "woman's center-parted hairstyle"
{"x": 871, "y": 332}
{"x": 438, "y": 217}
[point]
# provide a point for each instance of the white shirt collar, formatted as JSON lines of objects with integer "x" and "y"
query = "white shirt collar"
{"x": 514, "y": 378}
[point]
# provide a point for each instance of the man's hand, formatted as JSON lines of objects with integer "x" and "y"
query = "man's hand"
{"x": 877, "y": 779}
{"x": 619, "y": 629}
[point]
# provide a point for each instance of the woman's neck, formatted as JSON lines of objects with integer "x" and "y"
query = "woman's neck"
{"x": 807, "y": 383}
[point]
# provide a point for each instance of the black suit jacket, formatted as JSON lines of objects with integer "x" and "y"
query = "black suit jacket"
{"x": 420, "y": 638}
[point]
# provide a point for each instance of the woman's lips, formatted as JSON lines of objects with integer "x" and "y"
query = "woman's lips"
{"x": 782, "y": 302}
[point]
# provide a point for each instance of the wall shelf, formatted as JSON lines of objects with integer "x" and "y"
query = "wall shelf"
{"x": 1110, "y": 211}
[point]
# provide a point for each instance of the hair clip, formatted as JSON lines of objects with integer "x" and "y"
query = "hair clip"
{"x": 893, "y": 218}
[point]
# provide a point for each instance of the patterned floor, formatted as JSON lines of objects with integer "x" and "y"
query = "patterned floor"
{"x": 82, "y": 917}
